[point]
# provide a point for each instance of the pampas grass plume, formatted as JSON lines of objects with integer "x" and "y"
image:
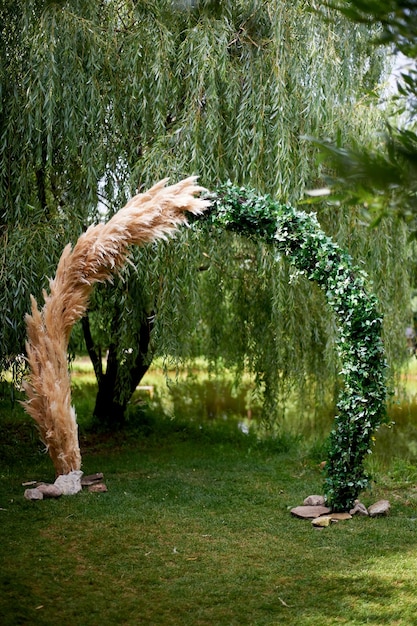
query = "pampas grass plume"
{"x": 98, "y": 254}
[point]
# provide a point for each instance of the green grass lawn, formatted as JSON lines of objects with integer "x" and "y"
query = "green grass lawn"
{"x": 195, "y": 529}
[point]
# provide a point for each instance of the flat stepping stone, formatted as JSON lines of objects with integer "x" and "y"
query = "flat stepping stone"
{"x": 340, "y": 516}
{"x": 325, "y": 520}
{"x": 97, "y": 488}
{"x": 91, "y": 479}
{"x": 310, "y": 512}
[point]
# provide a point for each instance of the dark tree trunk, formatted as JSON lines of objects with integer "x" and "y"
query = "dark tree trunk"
{"x": 111, "y": 404}
{"x": 93, "y": 352}
{"x": 40, "y": 174}
{"x": 109, "y": 411}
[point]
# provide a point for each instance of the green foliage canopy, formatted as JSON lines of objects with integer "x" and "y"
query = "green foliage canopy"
{"x": 100, "y": 99}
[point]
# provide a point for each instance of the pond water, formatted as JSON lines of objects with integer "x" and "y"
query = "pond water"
{"x": 199, "y": 397}
{"x": 205, "y": 398}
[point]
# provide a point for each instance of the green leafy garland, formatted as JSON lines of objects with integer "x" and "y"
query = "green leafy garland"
{"x": 361, "y": 406}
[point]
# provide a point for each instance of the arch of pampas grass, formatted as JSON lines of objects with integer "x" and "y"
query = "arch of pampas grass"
{"x": 98, "y": 254}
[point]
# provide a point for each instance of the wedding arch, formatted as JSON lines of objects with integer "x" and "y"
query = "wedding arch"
{"x": 297, "y": 235}
{"x": 102, "y": 250}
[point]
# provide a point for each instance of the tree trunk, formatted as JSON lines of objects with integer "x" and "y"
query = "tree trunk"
{"x": 112, "y": 399}
{"x": 109, "y": 411}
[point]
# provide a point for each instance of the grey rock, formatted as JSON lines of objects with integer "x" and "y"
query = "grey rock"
{"x": 33, "y": 494}
{"x": 381, "y": 507}
{"x": 314, "y": 501}
{"x": 309, "y": 512}
{"x": 359, "y": 509}
{"x": 49, "y": 491}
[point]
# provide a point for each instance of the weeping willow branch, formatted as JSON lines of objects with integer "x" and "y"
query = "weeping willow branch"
{"x": 98, "y": 254}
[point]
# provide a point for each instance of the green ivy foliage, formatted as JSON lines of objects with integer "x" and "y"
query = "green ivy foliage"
{"x": 298, "y": 237}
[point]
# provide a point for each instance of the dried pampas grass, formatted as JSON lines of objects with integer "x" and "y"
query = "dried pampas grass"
{"x": 97, "y": 255}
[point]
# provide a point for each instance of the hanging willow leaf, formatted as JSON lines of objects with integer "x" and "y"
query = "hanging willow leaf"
{"x": 113, "y": 96}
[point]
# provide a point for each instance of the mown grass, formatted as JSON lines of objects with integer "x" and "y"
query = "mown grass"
{"x": 195, "y": 529}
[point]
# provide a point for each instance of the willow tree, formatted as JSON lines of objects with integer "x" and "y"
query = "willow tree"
{"x": 102, "y": 98}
